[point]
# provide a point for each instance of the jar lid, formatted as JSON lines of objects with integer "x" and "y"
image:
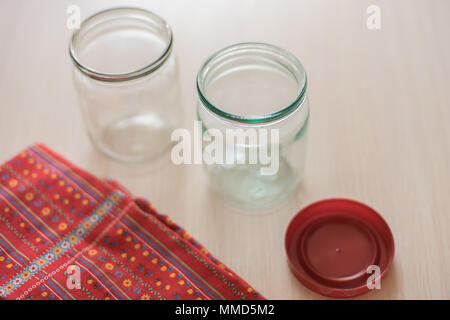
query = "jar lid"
{"x": 336, "y": 247}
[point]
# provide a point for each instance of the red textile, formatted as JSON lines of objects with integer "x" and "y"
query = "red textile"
{"x": 59, "y": 224}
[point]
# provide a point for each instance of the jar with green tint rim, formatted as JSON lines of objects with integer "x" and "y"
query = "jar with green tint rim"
{"x": 259, "y": 87}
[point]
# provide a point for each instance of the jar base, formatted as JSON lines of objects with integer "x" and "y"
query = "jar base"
{"x": 136, "y": 138}
{"x": 244, "y": 186}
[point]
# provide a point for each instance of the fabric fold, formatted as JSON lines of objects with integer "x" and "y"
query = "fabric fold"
{"x": 65, "y": 234}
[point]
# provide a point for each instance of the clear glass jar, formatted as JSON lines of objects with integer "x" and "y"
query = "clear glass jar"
{"x": 255, "y": 86}
{"x": 127, "y": 80}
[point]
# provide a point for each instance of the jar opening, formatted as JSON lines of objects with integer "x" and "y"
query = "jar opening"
{"x": 252, "y": 82}
{"x": 121, "y": 44}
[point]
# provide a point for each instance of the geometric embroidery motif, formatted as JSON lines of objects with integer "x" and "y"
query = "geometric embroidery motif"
{"x": 65, "y": 244}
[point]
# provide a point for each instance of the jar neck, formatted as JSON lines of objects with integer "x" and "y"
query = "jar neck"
{"x": 114, "y": 19}
{"x": 251, "y": 54}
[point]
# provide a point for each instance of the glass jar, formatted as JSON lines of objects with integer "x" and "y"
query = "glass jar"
{"x": 251, "y": 88}
{"x": 127, "y": 80}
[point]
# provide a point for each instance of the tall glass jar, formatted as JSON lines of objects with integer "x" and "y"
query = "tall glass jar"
{"x": 259, "y": 87}
{"x": 126, "y": 76}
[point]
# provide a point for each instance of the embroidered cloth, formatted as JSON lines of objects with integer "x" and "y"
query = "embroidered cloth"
{"x": 64, "y": 234}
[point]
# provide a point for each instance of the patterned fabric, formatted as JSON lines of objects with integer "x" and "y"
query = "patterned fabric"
{"x": 64, "y": 234}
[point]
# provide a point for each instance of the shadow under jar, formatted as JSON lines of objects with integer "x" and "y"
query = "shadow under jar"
{"x": 127, "y": 81}
{"x": 254, "y": 87}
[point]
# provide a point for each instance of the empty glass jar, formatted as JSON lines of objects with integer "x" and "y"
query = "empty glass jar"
{"x": 127, "y": 80}
{"x": 248, "y": 89}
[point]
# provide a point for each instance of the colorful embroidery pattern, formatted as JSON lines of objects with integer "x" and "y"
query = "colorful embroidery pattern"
{"x": 54, "y": 215}
{"x": 64, "y": 245}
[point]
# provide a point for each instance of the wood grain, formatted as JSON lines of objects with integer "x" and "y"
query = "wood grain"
{"x": 379, "y": 131}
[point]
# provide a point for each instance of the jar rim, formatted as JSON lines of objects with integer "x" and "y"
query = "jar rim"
{"x": 268, "y": 117}
{"x": 125, "y": 76}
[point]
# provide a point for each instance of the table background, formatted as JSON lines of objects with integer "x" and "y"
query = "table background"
{"x": 379, "y": 131}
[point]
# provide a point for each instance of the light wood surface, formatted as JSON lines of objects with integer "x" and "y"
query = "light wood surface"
{"x": 379, "y": 131}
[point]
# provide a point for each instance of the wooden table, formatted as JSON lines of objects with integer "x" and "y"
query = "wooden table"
{"x": 379, "y": 131}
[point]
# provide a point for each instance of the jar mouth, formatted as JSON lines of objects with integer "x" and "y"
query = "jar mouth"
{"x": 264, "y": 52}
{"x": 110, "y": 20}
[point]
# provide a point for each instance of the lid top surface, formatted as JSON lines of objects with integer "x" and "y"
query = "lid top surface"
{"x": 331, "y": 244}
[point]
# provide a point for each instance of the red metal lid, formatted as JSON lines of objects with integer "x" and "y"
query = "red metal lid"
{"x": 331, "y": 244}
